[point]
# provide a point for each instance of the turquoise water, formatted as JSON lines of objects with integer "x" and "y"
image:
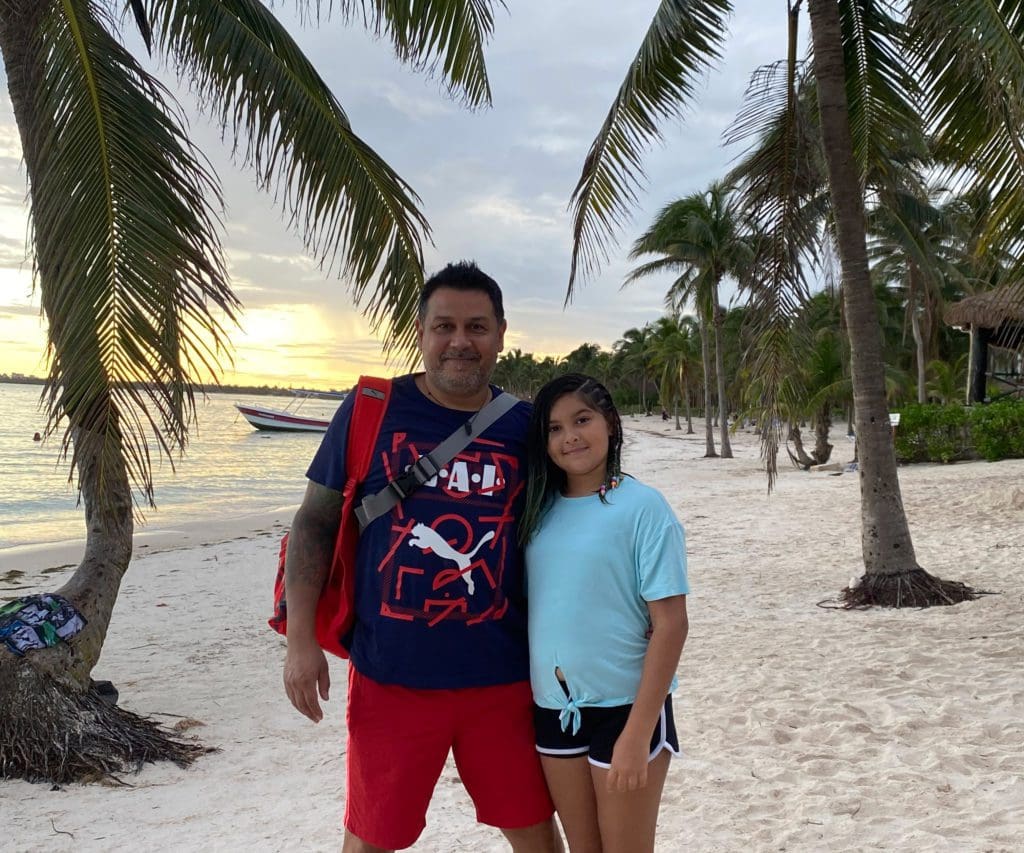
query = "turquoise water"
{"x": 229, "y": 469}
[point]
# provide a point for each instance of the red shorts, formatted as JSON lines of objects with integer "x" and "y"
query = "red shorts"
{"x": 399, "y": 739}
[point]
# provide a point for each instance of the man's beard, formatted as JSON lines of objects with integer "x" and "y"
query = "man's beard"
{"x": 461, "y": 382}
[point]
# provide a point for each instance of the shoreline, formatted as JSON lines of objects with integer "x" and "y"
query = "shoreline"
{"x": 39, "y": 557}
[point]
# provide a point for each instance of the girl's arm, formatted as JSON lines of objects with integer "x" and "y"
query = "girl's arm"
{"x": 668, "y": 633}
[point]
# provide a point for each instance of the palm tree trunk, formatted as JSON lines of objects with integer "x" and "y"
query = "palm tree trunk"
{"x": 887, "y": 548}
{"x": 689, "y": 411}
{"x": 53, "y": 726}
{"x": 822, "y": 424}
{"x": 885, "y": 536}
{"x": 102, "y": 475}
{"x": 723, "y": 406}
{"x": 915, "y": 327}
{"x": 705, "y": 354}
{"x": 800, "y": 457}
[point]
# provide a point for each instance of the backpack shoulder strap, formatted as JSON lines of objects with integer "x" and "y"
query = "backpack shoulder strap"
{"x": 372, "y": 396}
{"x": 426, "y": 467}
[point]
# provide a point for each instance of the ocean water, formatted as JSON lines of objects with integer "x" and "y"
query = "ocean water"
{"x": 229, "y": 469}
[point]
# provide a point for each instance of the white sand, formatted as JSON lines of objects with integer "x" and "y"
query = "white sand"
{"x": 804, "y": 729}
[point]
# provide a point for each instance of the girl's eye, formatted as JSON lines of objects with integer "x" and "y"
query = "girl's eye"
{"x": 552, "y": 429}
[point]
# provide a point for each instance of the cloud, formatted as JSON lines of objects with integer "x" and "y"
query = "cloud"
{"x": 408, "y": 105}
{"x": 19, "y": 310}
{"x": 495, "y": 183}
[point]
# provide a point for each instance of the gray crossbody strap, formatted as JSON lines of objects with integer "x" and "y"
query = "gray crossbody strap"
{"x": 427, "y": 467}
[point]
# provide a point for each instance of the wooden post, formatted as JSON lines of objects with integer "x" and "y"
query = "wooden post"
{"x": 978, "y": 365}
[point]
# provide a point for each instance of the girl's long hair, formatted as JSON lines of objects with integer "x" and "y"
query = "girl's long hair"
{"x": 543, "y": 477}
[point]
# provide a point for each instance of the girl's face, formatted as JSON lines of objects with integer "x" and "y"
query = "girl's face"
{"x": 578, "y": 443}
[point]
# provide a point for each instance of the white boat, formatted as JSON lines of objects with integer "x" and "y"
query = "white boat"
{"x": 289, "y": 419}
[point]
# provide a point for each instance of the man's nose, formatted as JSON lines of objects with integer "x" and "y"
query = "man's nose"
{"x": 459, "y": 339}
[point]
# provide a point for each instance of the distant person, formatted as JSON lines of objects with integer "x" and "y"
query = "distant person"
{"x": 439, "y": 658}
{"x": 37, "y": 437}
{"x": 664, "y": 414}
{"x": 606, "y": 568}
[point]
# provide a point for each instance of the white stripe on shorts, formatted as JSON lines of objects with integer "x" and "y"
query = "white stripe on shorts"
{"x": 576, "y": 750}
{"x": 663, "y": 744}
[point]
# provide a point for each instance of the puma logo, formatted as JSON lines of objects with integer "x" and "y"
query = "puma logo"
{"x": 425, "y": 537}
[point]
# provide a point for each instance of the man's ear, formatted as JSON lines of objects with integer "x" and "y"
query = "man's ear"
{"x": 501, "y": 335}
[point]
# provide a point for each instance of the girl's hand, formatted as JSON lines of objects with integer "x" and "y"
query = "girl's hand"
{"x": 629, "y": 763}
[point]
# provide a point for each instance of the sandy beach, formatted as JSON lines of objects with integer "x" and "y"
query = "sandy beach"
{"x": 803, "y": 728}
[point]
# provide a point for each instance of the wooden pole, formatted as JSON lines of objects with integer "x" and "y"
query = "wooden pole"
{"x": 978, "y": 365}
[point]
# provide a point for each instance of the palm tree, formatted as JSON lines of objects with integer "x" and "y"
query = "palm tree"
{"x": 676, "y": 353}
{"x": 589, "y": 359}
{"x": 827, "y": 387}
{"x": 883, "y": 72}
{"x": 127, "y": 257}
{"x": 517, "y": 373}
{"x": 699, "y": 238}
{"x": 634, "y": 353}
{"x": 948, "y": 380}
{"x": 909, "y": 238}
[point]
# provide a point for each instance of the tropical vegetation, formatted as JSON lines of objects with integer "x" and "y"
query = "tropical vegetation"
{"x": 899, "y": 89}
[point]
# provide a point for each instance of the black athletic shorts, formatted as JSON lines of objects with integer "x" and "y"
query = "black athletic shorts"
{"x": 599, "y": 729}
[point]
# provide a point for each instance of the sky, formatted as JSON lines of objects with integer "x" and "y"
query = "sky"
{"x": 494, "y": 183}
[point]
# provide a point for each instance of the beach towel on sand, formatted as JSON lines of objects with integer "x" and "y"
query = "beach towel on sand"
{"x": 38, "y": 622}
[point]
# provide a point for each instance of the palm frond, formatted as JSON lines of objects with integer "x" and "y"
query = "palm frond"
{"x": 432, "y": 35}
{"x": 970, "y": 57}
{"x": 668, "y": 264}
{"x": 782, "y": 196}
{"x": 126, "y": 248}
{"x": 355, "y": 214}
{"x": 884, "y": 100}
{"x": 142, "y": 22}
{"x": 684, "y": 39}
{"x": 904, "y": 221}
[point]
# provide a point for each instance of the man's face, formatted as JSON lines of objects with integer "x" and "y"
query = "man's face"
{"x": 460, "y": 338}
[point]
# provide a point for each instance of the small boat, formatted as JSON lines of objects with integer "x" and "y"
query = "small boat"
{"x": 289, "y": 419}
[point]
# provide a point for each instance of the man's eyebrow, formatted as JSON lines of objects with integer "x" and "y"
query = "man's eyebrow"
{"x": 478, "y": 318}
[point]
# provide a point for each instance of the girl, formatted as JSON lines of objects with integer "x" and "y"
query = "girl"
{"x": 606, "y": 570}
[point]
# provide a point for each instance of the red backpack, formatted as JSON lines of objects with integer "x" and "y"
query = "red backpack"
{"x": 335, "y": 611}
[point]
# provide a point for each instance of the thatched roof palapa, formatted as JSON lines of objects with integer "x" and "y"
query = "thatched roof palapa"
{"x": 989, "y": 310}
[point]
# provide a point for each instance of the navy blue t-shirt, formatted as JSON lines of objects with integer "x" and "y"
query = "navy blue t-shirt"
{"x": 440, "y": 599}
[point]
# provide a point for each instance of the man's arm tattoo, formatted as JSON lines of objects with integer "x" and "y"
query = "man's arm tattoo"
{"x": 312, "y": 537}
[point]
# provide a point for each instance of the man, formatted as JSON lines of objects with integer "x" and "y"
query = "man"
{"x": 438, "y": 654}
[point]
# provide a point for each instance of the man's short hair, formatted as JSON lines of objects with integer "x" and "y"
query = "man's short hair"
{"x": 464, "y": 275}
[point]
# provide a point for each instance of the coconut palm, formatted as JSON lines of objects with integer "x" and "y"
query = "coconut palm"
{"x": 883, "y": 71}
{"x": 633, "y": 351}
{"x": 676, "y": 354}
{"x": 589, "y": 359}
{"x": 947, "y": 380}
{"x": 517, "y": 372}
{"x": 127, "y": 257}
{"x": 909, "y": 241}
{"x": 699, "y": 238}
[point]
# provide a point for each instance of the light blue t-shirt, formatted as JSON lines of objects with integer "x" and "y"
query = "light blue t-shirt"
{"x": 591, "y": 569}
